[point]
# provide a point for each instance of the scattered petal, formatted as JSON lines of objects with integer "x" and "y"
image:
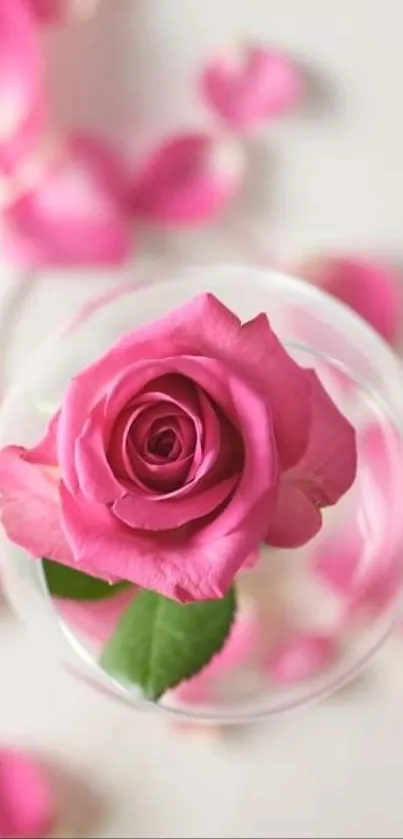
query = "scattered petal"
{"x": 301, "y": 657}
{"x": 74, "y": 214}
{"x": 255, "y": 85}
{"x": 26, "y": 805}
{"x": 189, "y": 179}
{"x": 369, "y": 288}
{"x": 21, "y": 93}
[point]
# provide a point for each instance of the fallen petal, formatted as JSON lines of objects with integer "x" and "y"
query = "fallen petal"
{"x": 76, "y": 213}
{"x": 246, "y": 89}
{"x": 26, "y": 802}
{"x": 301, "y": 657}
{"x": 21, "y": 88}
{"x": 189, "y": 179}
{"x": 369, "y": 288}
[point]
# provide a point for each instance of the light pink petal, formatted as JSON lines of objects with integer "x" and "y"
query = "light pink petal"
{"x": 95, "y": 618}
{"x": 21, "y": 93}
{"x": 301, "y": 657}
{"x": 323, "y": 475}
{"x": 362, "y": 559}
{"x": 371, "y": 289}
{"x": 247, "y": 88}
{"x": 77, "y": 214}
{"x": 27, "y": 808}
{"x": 187, "y": 180}
{"x": 29, "y": 507}
{"x": 96, "y": 478}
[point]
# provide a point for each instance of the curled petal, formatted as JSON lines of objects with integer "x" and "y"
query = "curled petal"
{"x": 26, "y": 801}
{"x": 325, "y": 472}
{"x": 246, "y": 89}
{"x": 301, "y": 657}
{"x": 187, "y": 180}
{"x": 75, "y": 212}
{"x": 369, "y": 288}
{"x": 21, "y": 94}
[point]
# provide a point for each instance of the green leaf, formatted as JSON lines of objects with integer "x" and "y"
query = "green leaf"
{"x": 63, "y": 581}
{"x": 159, "y": 643}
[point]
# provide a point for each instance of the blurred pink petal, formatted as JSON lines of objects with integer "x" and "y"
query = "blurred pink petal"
{"x": 190, "y": 178}
{"x": 74, "y": 213}
{"x": 239, "y": 649}
{"x": 60, "y": 10}
{"x": 301, "y": 657}
{"x": 369, "y": 288}
{"x": 362, "y": 559}
{"x": 26, "y": 804}
{"x": 253, "y": 86}
{"x": 95, "y": 618}
{"x": 21, "y": 93}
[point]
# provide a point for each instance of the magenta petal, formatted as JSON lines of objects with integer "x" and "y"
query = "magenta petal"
{"x": 188, "y": 179}
{"x": 296, "y": 519}
{"x": 257, "y": 85}
{"x": 77, "y": 214}
{"x": 301, "y": 657}
{"x": 21, "y": 92}
{"x": 371, "y": 289}
{"x": 26, "y": 801}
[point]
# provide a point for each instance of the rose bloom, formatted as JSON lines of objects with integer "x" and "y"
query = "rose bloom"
{"x": 194, "y": 439}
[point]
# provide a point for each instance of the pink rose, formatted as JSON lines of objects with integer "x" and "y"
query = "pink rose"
{"x": 191, "y": 441}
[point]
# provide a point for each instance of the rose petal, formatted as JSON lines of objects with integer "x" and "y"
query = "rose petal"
{"x": 174, "y": 564}
{"x": 202, "y": 327}
{"x": 76, "y": 215}
{"x": 26, "y": 802}
{"x": 29, "y": 497}
{"x": 369, "y": 288}
{"x": 301, "y": 657}
{"x": 188, "y": 179}
{"x": 325, "y": 472}
{"x": 96, "y": 618}
{"x": 258, "y": 85}
{"x": 21, "y": 95}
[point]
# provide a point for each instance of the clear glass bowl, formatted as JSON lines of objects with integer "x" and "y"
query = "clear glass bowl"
{"x": 363, "y": 377}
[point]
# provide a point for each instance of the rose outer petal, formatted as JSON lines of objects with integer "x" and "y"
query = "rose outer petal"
{"x": 325, "y": 472}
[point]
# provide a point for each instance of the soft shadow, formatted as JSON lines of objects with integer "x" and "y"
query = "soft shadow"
{"x": 81, "y": 809}
{"x": 322, "y": 95}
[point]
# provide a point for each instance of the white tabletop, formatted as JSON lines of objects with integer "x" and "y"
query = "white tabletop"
{"x": 334, "y": 178}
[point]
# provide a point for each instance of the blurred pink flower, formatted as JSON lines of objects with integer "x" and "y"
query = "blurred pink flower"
{"x": 95, "y": 618}
{"x": 26, "y": 804}
{"x": 250, "y": 87}
{"x": 69, "y": 208}
{"x": 21, "y": 92}
{"x": 189, "y": 178}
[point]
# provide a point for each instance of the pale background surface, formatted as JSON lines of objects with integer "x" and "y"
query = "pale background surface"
{"x": 333, "y": 177}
